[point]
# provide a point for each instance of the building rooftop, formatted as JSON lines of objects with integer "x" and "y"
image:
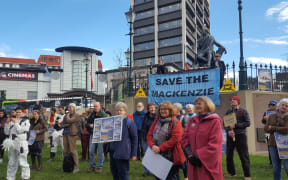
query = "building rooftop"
{"x": 79, "y": 49}
{"x": 16, "y": 60}
{"x": 49, "y": 60}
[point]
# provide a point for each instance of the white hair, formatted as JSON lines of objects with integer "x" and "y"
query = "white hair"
{"x": 178, "y": 106}
{"x": 97, "y": 103}
{"x": 190, "y": 106}
{"x": 72, "y": 105}
{"x": 121, "y": 105}
{"x": 284, "y": 100}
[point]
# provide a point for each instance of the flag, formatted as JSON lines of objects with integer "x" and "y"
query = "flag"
{"x": 91, "y": 80}
{"x": 46, "y": 74}
{"x": 186, "y": 66}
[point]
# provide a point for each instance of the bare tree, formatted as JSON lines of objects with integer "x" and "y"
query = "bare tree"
{"x": 119, "y": 58}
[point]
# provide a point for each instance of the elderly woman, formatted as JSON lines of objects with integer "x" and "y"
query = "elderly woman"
{"x": 38, "y": 125}
{"x": 70, "y": 124}
{"x": 277, "y": 122}
{"x": 189, "y": 113}
{"x": 202, "y": 142}
{"x": 121, "y": 151}
{"x": 164, "y": 138}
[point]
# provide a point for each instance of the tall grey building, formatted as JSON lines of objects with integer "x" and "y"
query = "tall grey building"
{"x": 167, "y": 29}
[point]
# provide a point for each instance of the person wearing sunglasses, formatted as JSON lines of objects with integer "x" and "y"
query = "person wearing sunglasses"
{"x": 270, "y": 110}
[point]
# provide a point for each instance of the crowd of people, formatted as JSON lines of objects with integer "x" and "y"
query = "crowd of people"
{"x": 191, "y": 139}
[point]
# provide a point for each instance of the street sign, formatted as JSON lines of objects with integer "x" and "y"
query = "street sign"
{"x": 140, "y": 93}
{"x": 228, "y": 86}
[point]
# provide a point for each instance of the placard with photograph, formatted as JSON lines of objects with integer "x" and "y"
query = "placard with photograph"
{"x": 282, "y": 145}
{"x": 107, "y": 129}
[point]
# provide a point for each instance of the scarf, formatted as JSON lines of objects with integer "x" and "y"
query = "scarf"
{"x": 161, "y": 130}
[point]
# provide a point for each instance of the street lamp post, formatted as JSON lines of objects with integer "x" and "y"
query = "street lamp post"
{"x": 86, "y": 62}
{"x": 242, "y": 68}
{"x": 130, "y": 16}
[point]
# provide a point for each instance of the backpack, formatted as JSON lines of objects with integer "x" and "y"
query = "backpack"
{"x": 68, "y": 163}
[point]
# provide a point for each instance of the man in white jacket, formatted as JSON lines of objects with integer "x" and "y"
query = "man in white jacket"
{"x": 17, "y": 129}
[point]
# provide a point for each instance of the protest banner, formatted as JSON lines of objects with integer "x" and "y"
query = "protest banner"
{"x": 264, "y": 80}
{"x": 184, "y": 87}
{"x": 107, "y": 129}
{"x": 282, "y": 145}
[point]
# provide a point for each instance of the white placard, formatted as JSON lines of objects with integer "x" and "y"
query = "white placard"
{"x": 157, "y": 164}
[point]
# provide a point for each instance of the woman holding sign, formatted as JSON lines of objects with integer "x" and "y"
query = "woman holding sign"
{"x": 122, "y": 151}
{"x": 38, "y": 128}
{"x": 164, "y": 138}
{"x": 277, "y": 123}
{"x": 202, "y": 142}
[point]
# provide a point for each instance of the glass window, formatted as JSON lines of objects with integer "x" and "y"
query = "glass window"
{"x": 141, "y": 1}
{"x": 2, "y": 94}
{"x": 144, "y": 62}
{"x": 31, "y": 95}
{"x": 78, "y": 74}
{"x": 57, "y": 59}
{"x": 170, "y": 41}
{"x": 1, "y": 65}
{"x": 7, "y": 65}
{"x": 44, "y": 58}
{"x": 170, "y": 25}
{"x": 51, "y": 59}
{"x": 171, "y": 8}
{"x": 145, "y": 14}
{"x": 144, "y": 30}
{"x": 171, "y": 58}
{"x": 144, "y": 46}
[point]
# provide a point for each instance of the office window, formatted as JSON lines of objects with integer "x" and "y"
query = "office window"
{"x": 145, "y": 61}
{"x": 7, "y": 65}
{"x": 170, "y": 25}
{"x": 57, "y": 59}
{"x": 141, "y": 1}
{"x": 144, "y": 30}
{"x": 144, "y": 46}
{"x": 31, "y": 95}
{"x": 170, "y": 8}
{"x": 170, "y": 41}
{"x": 44, "y": 59}
{"x": 78, "y": 74}
{"x": 51, "y": 59}
{"x": 2, "y": 94}
{"x": 171, "y": 58}
{"x": 1, "y": 65}
{"x": 144, "y": 14}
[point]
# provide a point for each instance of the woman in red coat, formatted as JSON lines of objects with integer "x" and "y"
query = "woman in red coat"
{"x": 202, "y": 142}
{"x": 164, "y": 138}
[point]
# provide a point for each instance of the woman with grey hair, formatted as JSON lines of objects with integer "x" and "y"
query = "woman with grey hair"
{"x": 189, "y": 113}
{"x": 277, "y": 123}
{"x": 70, "y": 124}
{"x": 122, "y": 151}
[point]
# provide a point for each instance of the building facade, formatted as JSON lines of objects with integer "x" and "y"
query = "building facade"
{"x": 167, "y": 30}
{"x": 52, "y": 76}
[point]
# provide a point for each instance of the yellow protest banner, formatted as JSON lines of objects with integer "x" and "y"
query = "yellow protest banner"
{"x": 140, "y": 92}
{"x": 228, "y": 86}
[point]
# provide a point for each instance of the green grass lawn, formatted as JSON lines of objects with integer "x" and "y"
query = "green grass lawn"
{"x": 53, "y": 170}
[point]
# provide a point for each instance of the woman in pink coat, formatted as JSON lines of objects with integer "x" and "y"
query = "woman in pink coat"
{"x": 202, "y": 142}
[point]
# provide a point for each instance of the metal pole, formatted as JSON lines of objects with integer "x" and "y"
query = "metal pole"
{"x": 130, "y": 86}
{"x": 86, "y": 86}
{"x": 243, "y": 71}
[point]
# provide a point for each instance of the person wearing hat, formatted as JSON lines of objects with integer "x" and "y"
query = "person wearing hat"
{"x": 236, "y": 137}
{"x": 271, "y": 110}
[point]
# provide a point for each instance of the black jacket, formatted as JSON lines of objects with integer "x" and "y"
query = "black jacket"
{"x": 146, "y": 124}
{"x": 91, "y": 119}
{"x": 243, "y": 120}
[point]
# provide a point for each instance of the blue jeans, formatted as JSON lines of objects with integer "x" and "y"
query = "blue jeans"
{"x": 119, "y": 168}
{"x": 92, "y": 149}
{"x": 276, "y": 162}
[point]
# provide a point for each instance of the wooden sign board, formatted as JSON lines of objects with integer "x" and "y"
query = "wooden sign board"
{"x": 230, "y": 119}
